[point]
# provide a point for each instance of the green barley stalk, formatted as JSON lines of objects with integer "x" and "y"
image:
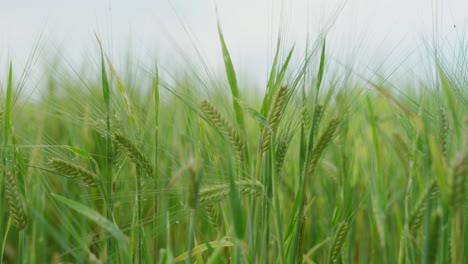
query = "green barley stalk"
{"x": 434, "y": 239}
{"x": 108, "y": 173}
{"x": 139, "y": 222}
{"x": 156, "y": 157}
{"x": 457, "y": 196}
{"x": 6, "y": 135}
{"x": 300, "y": 250}
{"x": 193, "y": 202}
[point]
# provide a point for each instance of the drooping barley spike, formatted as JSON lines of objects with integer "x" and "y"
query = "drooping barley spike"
{"x": 215, "y": 193}
{"x": 133, "y": 153}
{"x": 419, "y": 210}
{"x": 443, "y": 131}
{"x": 218, "y": 193}
{"x": 80, "y": 174}
{"x": 338, "y": 241}
{"x": 322, "y": 143}
{"x": 274, "y": 115}
{"x": 100, "y": 127}
{"x": 226, "y": 129}
{"x": 250, "y": 187}
{"x": 457, "y": 180}
{"x": 212, "y": 214}
{"x": 143, "y": 180}
{"x": 281, "y": 150}
{"x": 15, "y": 202}
{"x": 118, "y": 154}
{"x": 329, "y": 168}
{"x": 318, "y": 112}
{"x": 401, "y": 147}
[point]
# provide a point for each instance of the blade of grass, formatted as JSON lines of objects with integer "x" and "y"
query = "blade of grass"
{"x": 109, "y": 162}
{"x": 156, "y": 156}
{"x": 321, "y": 68}
{"x": 101, "y": 221}
{"x": 232, "y": 79}
{"x": 6, "y": 135}
{"x": 198, "y": 250}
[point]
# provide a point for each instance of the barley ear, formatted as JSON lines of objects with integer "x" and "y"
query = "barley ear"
{"x": 251, "y": 187}
{"x": 318, "y": 113}
{"x": 338, "y": 241}
{"x": 457, "y": 181}
{"x": 419, "y": 210}
{"x": 306, "y": 120}
{"x": 226, "y": 129}
{"x": 443, "y": 131}
{"x": 118, "y": 153}
{"x": 100, "y": 126}
{"x": 212, "y": 194}
{"x": 217, "y": 193}
{"x": 212, "y": 214}
{"x": 133, "y": 153}
{"x": 281, "y": 150}
{"x": 322, "y": 143}
{"x": 80, "y": 174}
{"x": 274, "y": 115}
{"x": 15, "y": 202}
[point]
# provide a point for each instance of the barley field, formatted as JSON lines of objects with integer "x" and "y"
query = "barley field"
{"x": 316, "y": 166}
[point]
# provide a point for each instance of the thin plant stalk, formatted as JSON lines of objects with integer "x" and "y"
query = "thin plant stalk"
{"x": 6, "y": 134}
{"x": 156, "y": 149}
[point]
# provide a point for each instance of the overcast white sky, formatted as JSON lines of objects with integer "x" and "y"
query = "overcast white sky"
{"x": 371, "y": 33}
